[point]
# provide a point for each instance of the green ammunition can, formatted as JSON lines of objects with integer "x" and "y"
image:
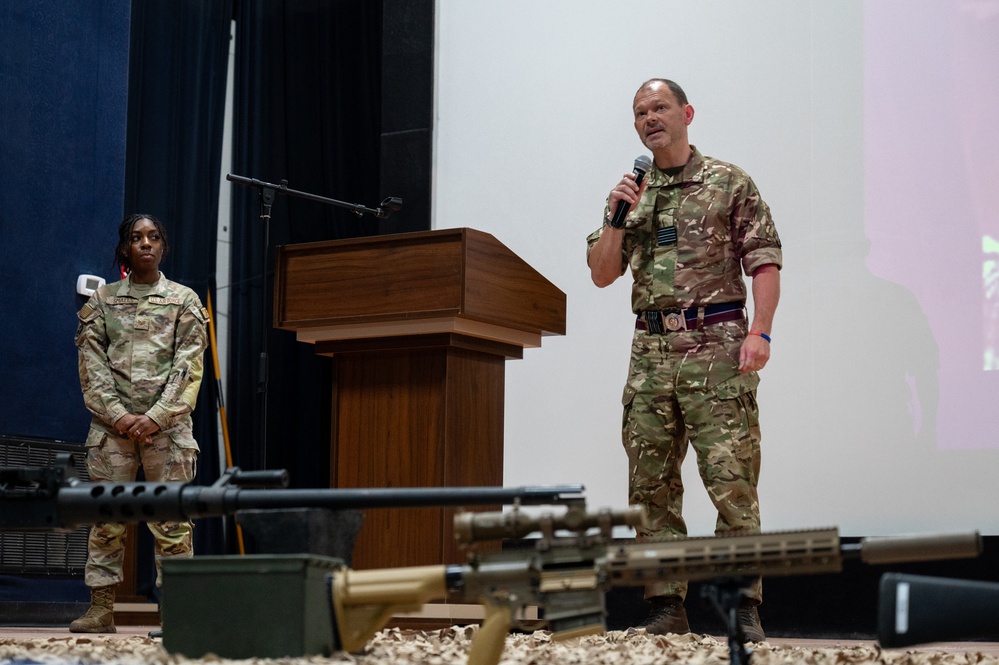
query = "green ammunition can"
{"x": 253, "y": 606}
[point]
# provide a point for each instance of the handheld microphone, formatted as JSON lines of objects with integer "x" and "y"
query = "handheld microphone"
{"x": 642, "y": 165}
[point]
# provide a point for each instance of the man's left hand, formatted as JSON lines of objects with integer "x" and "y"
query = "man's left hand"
{"x": 754, "y": 354}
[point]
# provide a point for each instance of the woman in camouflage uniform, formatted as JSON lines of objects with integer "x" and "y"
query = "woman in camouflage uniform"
{"x": 141, "y": 343}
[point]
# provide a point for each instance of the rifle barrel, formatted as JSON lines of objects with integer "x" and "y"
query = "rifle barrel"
{"x": 55, "y": 498}
{"x": 908, "y": 549}
{"x": 87, "y": 503}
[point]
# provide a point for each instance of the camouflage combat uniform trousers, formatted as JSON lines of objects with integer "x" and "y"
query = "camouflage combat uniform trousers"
{"x": 685, "y": 388}
{"x": 113, "y": 458}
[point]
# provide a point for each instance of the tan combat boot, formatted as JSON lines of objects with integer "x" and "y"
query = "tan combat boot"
{"x": 100, "y": 617}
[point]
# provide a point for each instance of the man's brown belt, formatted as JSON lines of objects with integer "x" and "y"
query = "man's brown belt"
{"x": 692, "y": 318}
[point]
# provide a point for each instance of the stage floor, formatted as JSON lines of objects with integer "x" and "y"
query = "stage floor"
{"x": 22, "y": 644}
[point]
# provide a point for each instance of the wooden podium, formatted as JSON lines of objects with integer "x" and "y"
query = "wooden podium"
{"x": 419, "y": 326}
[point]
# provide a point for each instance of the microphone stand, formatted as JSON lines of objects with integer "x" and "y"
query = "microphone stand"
{"x": 267, "y": 193}
{"x": 387, "y": 207}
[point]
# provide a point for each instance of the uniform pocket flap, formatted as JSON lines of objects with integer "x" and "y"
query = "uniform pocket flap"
{"x": 629, "y": 394}
{"x": 95, "y": 437}
{"x": 740, "y": 384}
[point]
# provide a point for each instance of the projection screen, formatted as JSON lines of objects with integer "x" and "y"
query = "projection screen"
{"x": 870, "y": 129}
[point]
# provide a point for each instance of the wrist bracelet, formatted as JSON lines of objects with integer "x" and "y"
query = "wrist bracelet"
{"x": 761, "y": 334}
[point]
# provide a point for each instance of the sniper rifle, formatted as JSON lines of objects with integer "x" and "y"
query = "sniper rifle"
{"x": 566, "y": 577}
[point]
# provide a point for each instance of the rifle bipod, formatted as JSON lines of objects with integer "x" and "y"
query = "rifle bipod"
{"x": 725, "y": 594}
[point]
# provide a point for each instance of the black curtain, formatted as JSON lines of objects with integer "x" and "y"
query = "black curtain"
{"x": 307, "y": 111}
{"x": 312, "y": 78}
{"x": 176, "y": 110}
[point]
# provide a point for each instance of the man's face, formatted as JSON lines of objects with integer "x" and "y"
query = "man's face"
{"x": 660, "y": 120}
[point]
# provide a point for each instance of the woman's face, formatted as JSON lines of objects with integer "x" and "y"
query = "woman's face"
{"x": 145, "y": 247}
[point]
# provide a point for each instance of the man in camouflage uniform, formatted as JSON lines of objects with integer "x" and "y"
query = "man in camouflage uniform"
{"x": 141, "y": 343}
{"x": 696, "y": 223}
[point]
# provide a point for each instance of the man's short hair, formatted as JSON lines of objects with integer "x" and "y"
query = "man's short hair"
{"x": 674, "y": 87}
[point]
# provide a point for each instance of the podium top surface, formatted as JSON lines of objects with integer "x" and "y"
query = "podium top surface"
{"x": 456, "y": 278}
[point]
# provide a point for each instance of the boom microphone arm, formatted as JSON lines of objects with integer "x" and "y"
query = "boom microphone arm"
{"x": 388, "y": 206}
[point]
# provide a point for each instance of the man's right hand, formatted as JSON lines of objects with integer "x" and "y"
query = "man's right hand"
{"x": 604, "y": 259}
{"x": 626, "y": 190}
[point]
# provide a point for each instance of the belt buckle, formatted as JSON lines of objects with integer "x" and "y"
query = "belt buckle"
{"x": 674, "y": 321}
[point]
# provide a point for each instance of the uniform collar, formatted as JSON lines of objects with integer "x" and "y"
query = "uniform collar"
{"x": 157, "y": 288}
{"x": 693, "y": 171}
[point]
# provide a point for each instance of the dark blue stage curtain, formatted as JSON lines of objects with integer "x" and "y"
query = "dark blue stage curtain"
{"x": 63, "y": 87}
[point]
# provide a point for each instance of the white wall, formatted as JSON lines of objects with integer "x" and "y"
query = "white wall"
{"x": 533, "y": 128}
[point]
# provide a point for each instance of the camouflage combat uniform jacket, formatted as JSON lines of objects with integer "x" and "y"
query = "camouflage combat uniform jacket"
{"x": 691, "y": 234}
{"x": 141, "y": 350}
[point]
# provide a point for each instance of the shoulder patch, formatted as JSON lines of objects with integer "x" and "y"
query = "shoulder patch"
{"x": 86, "y": 312}
{"x": 201, "y": 314}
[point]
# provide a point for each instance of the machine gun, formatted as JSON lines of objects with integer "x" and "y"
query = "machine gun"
{"x": 56, "y": 498}
{"x": 566, "y": 577}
